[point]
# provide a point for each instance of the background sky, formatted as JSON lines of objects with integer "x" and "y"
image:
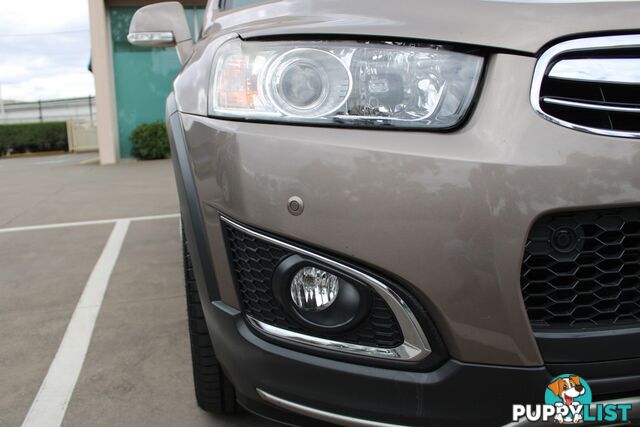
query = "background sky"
{"x": 44, "y": 49}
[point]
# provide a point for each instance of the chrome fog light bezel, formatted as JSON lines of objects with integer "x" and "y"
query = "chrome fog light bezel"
{"x": 415, "y": 347}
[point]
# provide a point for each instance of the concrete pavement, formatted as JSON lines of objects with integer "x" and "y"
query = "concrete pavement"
{"x": 137, "y": 368}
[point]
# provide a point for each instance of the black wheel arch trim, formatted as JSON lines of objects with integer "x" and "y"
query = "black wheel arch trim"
{"x": 192, "y": 218}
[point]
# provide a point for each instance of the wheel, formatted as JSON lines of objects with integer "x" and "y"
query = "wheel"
{"x": 214, "y": 392}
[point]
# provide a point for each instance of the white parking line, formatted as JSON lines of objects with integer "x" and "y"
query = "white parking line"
{"x": 80, "y": 223}
{"x": 50, "y": 404}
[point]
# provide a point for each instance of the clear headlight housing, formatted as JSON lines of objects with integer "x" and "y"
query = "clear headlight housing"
{"x": 344, "y": 83}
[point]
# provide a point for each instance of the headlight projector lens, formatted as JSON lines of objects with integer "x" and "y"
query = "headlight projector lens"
{"x": 318, "y": 297}
{"x": 313, "y": 289}
{"x": 308, "y": 83}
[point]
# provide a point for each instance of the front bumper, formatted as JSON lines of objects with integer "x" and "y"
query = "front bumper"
{"x": 447, "y": 215}
{"x": 302, "y": 389}
{"x": 452, "y": 395}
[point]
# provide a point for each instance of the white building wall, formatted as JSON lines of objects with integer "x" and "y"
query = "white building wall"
{"x": 80, "y": 109}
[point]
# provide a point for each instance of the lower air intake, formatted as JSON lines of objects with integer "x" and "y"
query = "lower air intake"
{"x": 582, "y": 270}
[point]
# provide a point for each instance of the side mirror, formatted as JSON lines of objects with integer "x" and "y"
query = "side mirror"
{"x": 162, "y": 25}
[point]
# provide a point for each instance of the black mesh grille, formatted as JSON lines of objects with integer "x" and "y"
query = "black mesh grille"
{"x": 253, "y": 262}
{"x": 582, "y": 269}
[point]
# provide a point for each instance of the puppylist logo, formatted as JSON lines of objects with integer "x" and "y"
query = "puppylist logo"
{"x": 567, "y": 400}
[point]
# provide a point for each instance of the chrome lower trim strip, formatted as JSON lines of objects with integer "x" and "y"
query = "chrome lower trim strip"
{"x": 588, "y": 106}
{"x": 319, "y": 414}
{"x": 402, "y": 352}
{"x": 415, "y": 346}
{"x": 579, "y": 45}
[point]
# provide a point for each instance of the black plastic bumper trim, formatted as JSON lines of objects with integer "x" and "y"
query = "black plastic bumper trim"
{"x": 189, "y": 203}
{"x": 589, "y": 345}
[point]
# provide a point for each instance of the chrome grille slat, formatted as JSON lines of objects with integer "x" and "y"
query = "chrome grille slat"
{"x": 590, "y": 106}
{"x": 601, "y": 70}
{"x": 591, "y": 85}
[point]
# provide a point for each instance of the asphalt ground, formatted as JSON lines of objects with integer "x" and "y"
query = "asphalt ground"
{"x": 113, "y": 285}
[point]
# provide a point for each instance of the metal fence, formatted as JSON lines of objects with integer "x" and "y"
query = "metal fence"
{"x": 78, "y": 109}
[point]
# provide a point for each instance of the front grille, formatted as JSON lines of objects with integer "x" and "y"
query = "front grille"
{"x": 582, "y": 270}
{"x": 607, "y": 106}
{"x": 591, "y": 85}
{"x": 254, "y": 261}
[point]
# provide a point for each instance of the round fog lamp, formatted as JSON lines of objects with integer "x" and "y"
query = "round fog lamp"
{"x": 313, "y": 289}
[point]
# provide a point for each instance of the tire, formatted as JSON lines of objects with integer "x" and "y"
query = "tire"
{"x": 214, "y": 392}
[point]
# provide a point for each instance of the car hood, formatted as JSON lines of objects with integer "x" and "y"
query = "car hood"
{"x": 524, "y": 25}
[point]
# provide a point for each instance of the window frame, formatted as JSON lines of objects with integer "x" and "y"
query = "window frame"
{"x": 225, "y": 5}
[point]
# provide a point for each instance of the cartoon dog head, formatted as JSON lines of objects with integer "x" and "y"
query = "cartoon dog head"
{"x": 567, "y": 388}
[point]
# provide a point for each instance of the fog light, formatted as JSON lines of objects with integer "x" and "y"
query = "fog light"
{"x": 313, "y": 289}
{"x": 319, "y": 298}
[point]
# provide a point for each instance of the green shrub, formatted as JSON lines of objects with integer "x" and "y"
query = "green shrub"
{"x": 149, "y": 141}
{"x": 33, "y": 137}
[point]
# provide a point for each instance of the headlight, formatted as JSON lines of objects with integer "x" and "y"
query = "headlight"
{"x": 344, "y": 83}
